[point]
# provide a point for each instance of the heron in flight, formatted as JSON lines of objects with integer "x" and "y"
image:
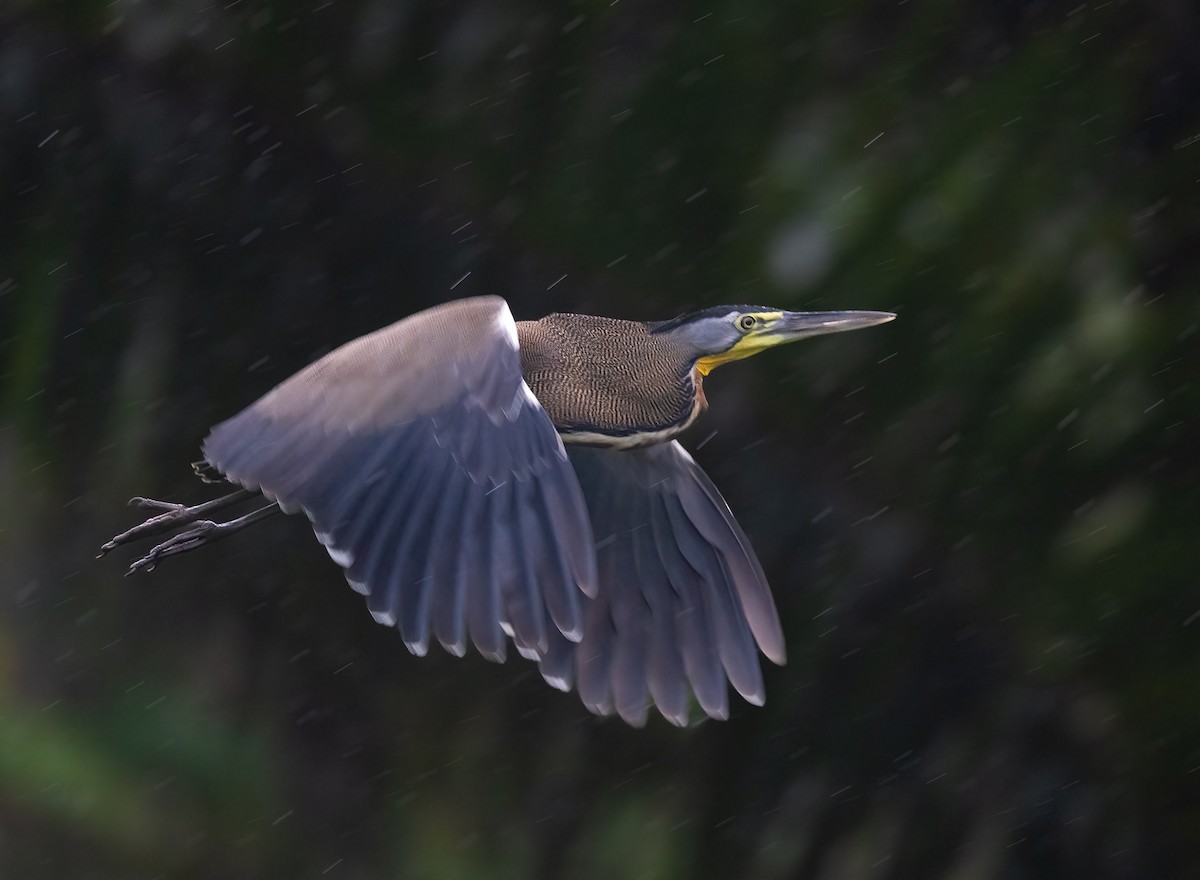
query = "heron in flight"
{"x": 484, "y": 480}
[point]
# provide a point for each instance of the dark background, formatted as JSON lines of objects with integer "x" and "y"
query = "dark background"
{"x": 980, "y": 521}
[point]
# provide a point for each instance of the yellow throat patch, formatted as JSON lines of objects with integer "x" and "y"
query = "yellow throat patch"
{"x": 758, "y": 339}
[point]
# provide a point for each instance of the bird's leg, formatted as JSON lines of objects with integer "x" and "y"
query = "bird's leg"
{"x": 201, "y": 532}
{"x": 174, "y": 515}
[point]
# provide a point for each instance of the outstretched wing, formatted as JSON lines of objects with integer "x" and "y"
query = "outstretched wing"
{"x": 433, "y": 477}
{"x": 681, "y": 596}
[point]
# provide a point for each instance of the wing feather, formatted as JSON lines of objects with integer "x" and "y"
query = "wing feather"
{"x": 734, "y": 643}
{"x": 693, "y": 629}
{"x": 432, "y": 475}
{"x": 483, "y": 589}
{"x": 448, "y": 593}
{"x": 681, "y": 599}
{"x": 665, "y": 676}
{"x": 708, "y": 510}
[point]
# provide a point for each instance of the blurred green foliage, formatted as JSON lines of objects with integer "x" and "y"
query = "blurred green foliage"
{"x": 979, "y": 521}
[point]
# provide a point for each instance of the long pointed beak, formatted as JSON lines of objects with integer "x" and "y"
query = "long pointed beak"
{"x": 798, "y": 325}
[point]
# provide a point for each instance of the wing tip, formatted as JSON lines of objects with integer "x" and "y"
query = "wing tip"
{"x": 384, "y": 618}
{"x": 678, "y": 719}
{"x": 344, "y": 558}
{"x": 775, "y": 652}
{"x": 715, "y": 705}
{"x": 495, "y": 655}
{"x": 596, "y": 707}
{"x": 634, "y": 716}
{"x": 456, "y": 649}
{"x": 417, "y": 648}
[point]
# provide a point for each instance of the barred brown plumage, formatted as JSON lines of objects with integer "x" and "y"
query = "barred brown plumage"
{"x": 602, "y": 376}
{"x": 429, "y": 457}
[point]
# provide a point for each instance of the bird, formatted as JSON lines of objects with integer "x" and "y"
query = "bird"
{"x": 482, "y": 480}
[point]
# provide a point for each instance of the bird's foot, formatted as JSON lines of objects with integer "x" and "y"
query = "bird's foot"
{"x": 207, "y": 473}
{"x": 174, "y": 514}
{"x": 199, "y": 533}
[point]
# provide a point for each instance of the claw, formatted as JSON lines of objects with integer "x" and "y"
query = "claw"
{"x": 207, "y": 473}
{"x": 151, "y": 504}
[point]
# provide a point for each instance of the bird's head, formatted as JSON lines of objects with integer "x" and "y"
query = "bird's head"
{"x": 721, "y": 334}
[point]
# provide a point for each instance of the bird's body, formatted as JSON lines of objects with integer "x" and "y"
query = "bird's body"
{"x": 430, "y": 458}
{"x": 608, "y": 382}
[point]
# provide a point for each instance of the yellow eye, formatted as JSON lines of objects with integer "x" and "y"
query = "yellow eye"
{"x": 747, "y": 322}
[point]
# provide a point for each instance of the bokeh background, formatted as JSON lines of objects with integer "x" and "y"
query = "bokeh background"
{"x": 981, "y": 522}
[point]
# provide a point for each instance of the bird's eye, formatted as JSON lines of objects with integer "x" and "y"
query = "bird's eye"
{"x": 747, "y": 322}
